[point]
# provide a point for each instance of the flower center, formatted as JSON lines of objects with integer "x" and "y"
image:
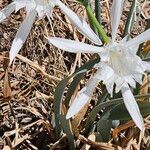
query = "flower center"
{"x": 42, "y": 2}
{"x": 120, "y": 59}
{"x": 43, "y": 7}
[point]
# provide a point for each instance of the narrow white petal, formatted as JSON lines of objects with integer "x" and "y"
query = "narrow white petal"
{"x": 5, "y": 12}
{"x": 143, "y": 37}
{"x": 81, "y": 25}
{"x": 130, "y": 80}
{"x": 106, "y": 74}
{"x": 132, "y": 107}
{"x": 133, "y": 49}
{"x": 74, "y": 46}
{"x": 116, "y": 12}
{"x": 82, "y": 97}
{"x": 147, "y": 65}
{"x": 138, "y": 78}
{"x": 78, "y": 103}
{"x": 21, "y": 35}
{"x": 20, "y": 4}
{"x": 119, "y": 83}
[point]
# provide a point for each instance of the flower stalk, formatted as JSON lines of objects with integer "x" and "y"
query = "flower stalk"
{"x": 97, "y": 24}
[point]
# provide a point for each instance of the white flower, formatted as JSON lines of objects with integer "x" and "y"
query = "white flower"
{"x": 119, "y": 66}
{"x": 41, "y": 8}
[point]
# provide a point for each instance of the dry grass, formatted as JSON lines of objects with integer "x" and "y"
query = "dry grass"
{"x": 26, "y": 117}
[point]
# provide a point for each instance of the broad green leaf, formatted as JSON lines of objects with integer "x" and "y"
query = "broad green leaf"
{"x": 103, "y": 97}
{"x": 58, "y": 95}
{"x": 66, "y": 127}
{"x": 78, "y": 78}
{"x": 84, "y": 2}
{"x": 92, "y": 116}
{"x": 104, "y": 128}
{"x": 146, "y": 47}
{"x": 148, "y": 24}
{"x": 98, "y": 136}
{"x": 59, "y": 92}
{"x": 114, "y": 102}
{"x": 97, "y": 10}
{"x": 130, "y": 18}
{"x": 119, "y": 112}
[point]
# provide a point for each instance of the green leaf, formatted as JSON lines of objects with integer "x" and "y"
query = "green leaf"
{"x": 59, "y": 92}
{"x": 130, "y": 18}
{"x": 103, "y": 97}
{"x": 97, "y": 10}
{"x": 98, "y": 136}
{"x": 66, "y": 127}
{"x": 78, "y": 78}
{"x": 104, "y": 128}
{"x": 120, "y": 112}
{"x": 58, "y": 95}
{"x": 92, "y": 116}
{"x": 148, "y": 24}
{"x": 84, "y": 2}
{"x": 97, "y": 109}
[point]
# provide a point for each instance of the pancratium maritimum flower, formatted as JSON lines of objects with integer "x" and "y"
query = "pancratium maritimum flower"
{"x": 40, "y": 8}
{"x": 119, "y": 66}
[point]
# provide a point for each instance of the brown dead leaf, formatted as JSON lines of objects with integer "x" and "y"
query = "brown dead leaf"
{"x": 99, "y": 145}
{"x": 6, "y": 148}
{"x": 145, "y": 85}
{"x": 117, "y": 130}
{"x": 37, "y": 68}
{"x": 43, "y": 96}
{"x": 7, "y": 88}
{"x": 77, "y": 120}
{"x": 92, "y": 138}
{"x": 146, "y": 47}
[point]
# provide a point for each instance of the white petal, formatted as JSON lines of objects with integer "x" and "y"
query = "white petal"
{"x": 140, "y": 65}
{"x": 116, "y": 12}
{"x": 147, "y": 65}
{"x": 78, "y": 103}
{"x": 74, "y": 46}
{"x": 81, "y": 25}
{"x": 132, "y": 107}
{"x": 119, "y": 83}
{"x": 138, "y": 78}
{"x": 143, "y": 37}
{"x": 133, "y": 49}
{"x": 129, "y": 79}
{"x": 21, "y": 35}
{"x": 5, "y": 12}
{"x": 82, "y": 98}
{"x": 91, "y": 85}
{"x": 20, "y": 4}
{"x": 106, "y": 74}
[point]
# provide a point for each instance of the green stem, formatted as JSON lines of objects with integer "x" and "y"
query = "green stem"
{"x": 130, "y": 19}
{"x": 97, "y": 10}
{"x": 99, "y": 27}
